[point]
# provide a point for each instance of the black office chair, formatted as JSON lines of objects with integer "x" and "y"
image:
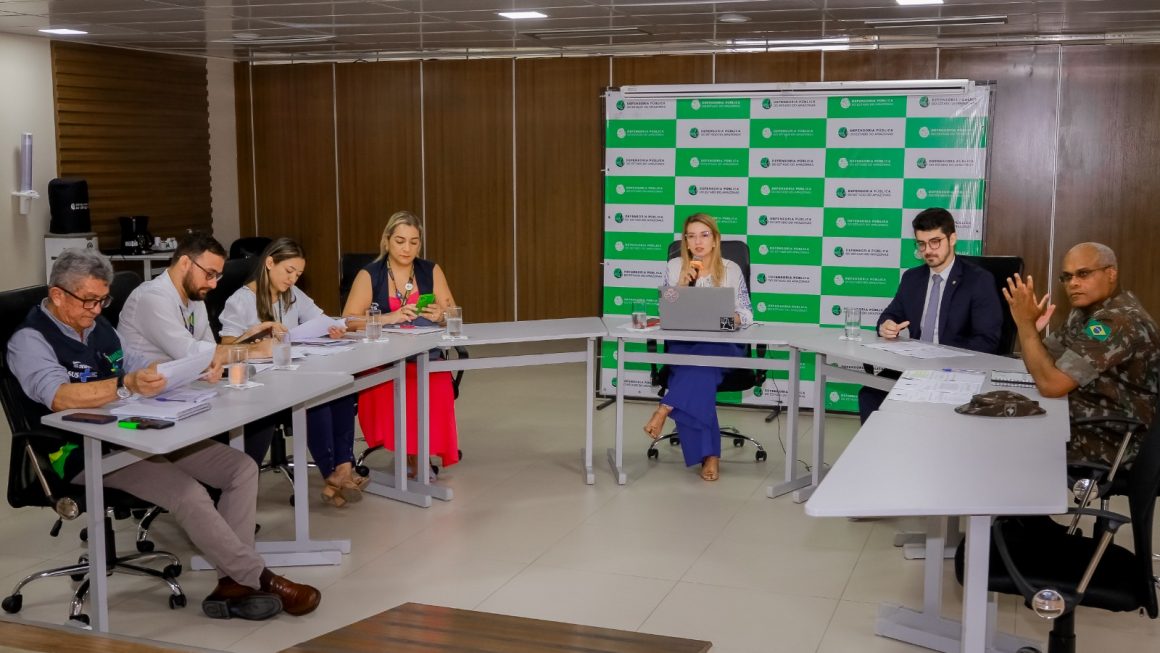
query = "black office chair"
{"x": 248, "y": 246}
{"x": 235, "y": 274}
{"x": 352, "y": 263}
{"x": 124, "y": 283}
{"x": 1001, "y": 267}
{"x": 1055, "y": 571}
{"x": 736, "y": 380}
{"x": 32, "y": 481}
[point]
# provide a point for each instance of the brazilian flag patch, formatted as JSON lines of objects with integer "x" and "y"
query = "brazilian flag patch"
{"x": 1097, "y": 330}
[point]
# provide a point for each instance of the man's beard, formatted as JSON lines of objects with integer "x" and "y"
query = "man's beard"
{"x": 191, "y": 291}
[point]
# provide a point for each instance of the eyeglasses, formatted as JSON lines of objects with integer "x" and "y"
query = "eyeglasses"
{"x": 209, "y": 275}
{"x": 1081, "y": 274}
{"x": 932, "y": 244}
{"x": 89, "y": 304}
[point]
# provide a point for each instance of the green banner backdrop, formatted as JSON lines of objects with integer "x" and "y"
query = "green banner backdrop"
{"x": 821, "y": 180}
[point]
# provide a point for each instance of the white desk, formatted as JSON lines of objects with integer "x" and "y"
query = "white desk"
{"x": 495, "y": 333}
{"x": 231, "y": 410}
{"x": 147, "y": 260}
{"x": 769, "y": 335}
{"x": 899, "y": 464}
{"x": 829, "y": 347}
{"x": 372, "y": 364}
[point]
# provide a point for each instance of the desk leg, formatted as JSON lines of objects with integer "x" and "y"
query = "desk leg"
{"x": 976, "y": 566}
{"x": 148, "y": 269}
{"x": 791, "y": 482}
{"x": 95, "y": 502}
{"x": 395, "y": 486}
{"x": 422, "y": 483}
{"x": 616, "y": 455}
{"x": 819, "y": 434}
{"x": 915, "y": 547}
{"x": 589, "y": 400}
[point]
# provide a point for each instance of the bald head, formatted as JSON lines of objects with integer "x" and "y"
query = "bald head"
{"x": 1089, "y": 274}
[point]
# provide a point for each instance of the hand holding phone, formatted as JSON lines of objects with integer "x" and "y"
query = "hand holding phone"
{"x": 424, "y": 300}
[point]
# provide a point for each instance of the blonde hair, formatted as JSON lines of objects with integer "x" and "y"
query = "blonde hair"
{"x": 397, "y": 220}
{"x": 715, "y": 263}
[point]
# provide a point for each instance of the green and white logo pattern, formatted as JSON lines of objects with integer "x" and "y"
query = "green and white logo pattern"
{"x": 822, "y": 187}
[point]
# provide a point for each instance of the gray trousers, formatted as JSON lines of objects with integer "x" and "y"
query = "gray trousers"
{"x": 225, "y": 534}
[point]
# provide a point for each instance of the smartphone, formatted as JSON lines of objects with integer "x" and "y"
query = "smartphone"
{"x": 89, "y": 418}
{"x": 260, "y": 335}
{"x": 141, "y": 423}
{"x": 424, "y": 301}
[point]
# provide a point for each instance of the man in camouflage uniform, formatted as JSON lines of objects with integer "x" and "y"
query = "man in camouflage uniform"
{"x": 1106, "y": 358}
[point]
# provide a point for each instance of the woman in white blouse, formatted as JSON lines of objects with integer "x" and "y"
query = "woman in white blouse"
{"x": 691, "y": 399}
{"x": 272, "y": 296}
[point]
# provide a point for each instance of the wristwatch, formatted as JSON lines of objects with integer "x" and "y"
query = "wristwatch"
{"x": 122, "y": 391}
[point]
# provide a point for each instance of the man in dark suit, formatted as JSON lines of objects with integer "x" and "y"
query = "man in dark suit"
{"x": 946, "y": 301}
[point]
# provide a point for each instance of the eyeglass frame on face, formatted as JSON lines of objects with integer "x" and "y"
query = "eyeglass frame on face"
{"x": 210, "y": 277}
{"x": 934, "y": 244}
{"x": 1081, "y": 274}
{"x": 89, "y": 304}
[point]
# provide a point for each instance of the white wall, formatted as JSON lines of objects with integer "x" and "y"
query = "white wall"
{"x": 223, "y": 150}
{"x": 26, "y": 76}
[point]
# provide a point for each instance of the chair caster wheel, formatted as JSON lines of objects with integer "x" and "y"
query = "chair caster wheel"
{"x": 81, "y": 619}
{"x": 12, "y": 604}
{"x": 84, "y": 559}
{"x": 85, "y": 534}
{"x": 145, "y": 546}
{"x": 653, "y": 453}
{"x": 363, "y": 470}
{"x": 171, "y": 571}
{"x": 1028, "y": 649}
{"x": 291, "y": 499}
{"x": 460, "y": 452}
{"x": 761, "y": 456}
{"x": 176, "y": 601}
{"x": 738, "y": 442}
{"x": 674, "y": 441}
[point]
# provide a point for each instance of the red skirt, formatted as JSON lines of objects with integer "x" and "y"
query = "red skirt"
{"x": 376, "y": 416}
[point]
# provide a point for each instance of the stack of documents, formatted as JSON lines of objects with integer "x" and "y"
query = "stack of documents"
{"x": 916, "y": 349}
{"x": 173, "y": 405}
{"x": 938, "y": 386}
{"x": 315, "y": 328}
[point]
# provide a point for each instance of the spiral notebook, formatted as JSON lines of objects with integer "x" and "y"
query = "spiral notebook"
{"x": 1012, "y": 379}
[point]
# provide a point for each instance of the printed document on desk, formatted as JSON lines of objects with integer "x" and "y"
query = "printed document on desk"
{"x": 183, "y": 371}
{"x": 158, "y": 408}
{"x": 938, "y": 386}
{"x": 916, "y": 349}
{"x": 315, "y": 328}
{"x": 411, "y": 330}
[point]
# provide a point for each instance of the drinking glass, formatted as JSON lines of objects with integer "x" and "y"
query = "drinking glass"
{"x": 374, "y": 324}
{"x": 853, "y": 324}
{"x": 454, "y": 321}
{"x": 282, "y": 351}
{"x": 239, "y": 369}
{"x": 639, "y": 315}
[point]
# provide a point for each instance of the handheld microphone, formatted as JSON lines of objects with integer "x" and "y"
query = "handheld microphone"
{"x": 696, "y": 266}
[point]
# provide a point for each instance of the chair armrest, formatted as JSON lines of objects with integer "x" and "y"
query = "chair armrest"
{"x": 1111, "y": 419}
{"x": 1000, "y": 544}
{"x": 1114, "y": 519}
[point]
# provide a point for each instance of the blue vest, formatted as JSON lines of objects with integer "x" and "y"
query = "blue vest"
{"x": 101, "y": 358}
{"x": 424, "y": 272}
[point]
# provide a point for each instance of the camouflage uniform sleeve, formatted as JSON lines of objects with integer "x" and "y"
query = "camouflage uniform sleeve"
{"x": 1054, "y": 346}
{"x": 1103, "y": 343}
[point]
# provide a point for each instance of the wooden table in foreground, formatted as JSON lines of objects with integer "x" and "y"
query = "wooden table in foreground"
{"x": 415, "y": 628}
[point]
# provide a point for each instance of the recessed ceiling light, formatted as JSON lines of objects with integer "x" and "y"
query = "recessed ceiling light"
{"x": 516, "y": 15}
{"x": 733, "y": 18}
{"x": 915, "y": 3}
{"x": 943, "y": 21}
{"x": 63, "y": 31}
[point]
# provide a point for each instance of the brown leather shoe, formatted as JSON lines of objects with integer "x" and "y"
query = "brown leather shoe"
{"x": 297, "y": 599}
{"x": 231, "y": 599}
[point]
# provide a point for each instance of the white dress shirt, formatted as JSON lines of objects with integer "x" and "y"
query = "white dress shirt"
{"x": 946, "y": 275}
{"x": 241, "y": 311}
{"x": 156, "y": 325}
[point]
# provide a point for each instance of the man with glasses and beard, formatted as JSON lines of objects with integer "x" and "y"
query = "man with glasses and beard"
{"x": 946, "y": 301}
{"x": 65, "y": 355}
{"x": 1105, "y": 359}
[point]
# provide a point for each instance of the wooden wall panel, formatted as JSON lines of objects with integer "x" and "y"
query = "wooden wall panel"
{"x": 559, "y": 208}
{"x": 1022, "y": 142}
{"x": 1109, "y": 140}
{"x": 769, "y": 67}
{"x": 873, "y": 65}
{"x": 379, "y": 148}
{"x": 295, "y": 174}
{"x": 662, "y": 69}
{"x": 135, "y": 125}
{"x": 244, "y": 134}
{"x": 468, "y": 127}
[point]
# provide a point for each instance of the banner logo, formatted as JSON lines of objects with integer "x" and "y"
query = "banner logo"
{"x": 843, "y": 132}
{"x": 843, "y": 162}
{"x": 920, "y": 193}
{"x": 766, "y": 133}
{"x": 694, "y": 132}
{"x": 923, "y": 132}
{"x": 836, "y": 309}
{"x": 834, "y": 396}
{"x": 620, "y": 133}
{"x": 696, "y": 104}
{"x": 765, "y": 189}
{"x": 620, "y": 105}
{"x": 619, "y": 217}
{"x": 761, "y": 278}
{"x": 619, "y": 247}
{"x": 693, "y": 189}
{"x": 763, "y": 220}
{"x": 764, "y": 249}
{"x": 620, "y": 189}
{"x": 924, "y": 102}
{"x": 838, "y": 251}
{"x": 765, "y": 104}
{"x": 618, "y": 273}
{"x": 694, "y": 162}
{"x": 619, "y": 162}
{"x": 841, "y": 192}
{"x": 840, "y": 223}
{"x": 921, "y": 163}
{"x": 764, "y": 162}
{"x": 838, "y": 280}
{"x": 845, "y": 103}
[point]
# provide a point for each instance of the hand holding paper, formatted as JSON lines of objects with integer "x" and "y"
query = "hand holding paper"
{"x": 183, "y": 371}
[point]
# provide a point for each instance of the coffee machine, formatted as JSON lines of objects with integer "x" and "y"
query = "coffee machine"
{"x": 135, "y": 236}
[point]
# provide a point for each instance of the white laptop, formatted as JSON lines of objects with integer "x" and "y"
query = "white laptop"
{"x": 688, "y": 308}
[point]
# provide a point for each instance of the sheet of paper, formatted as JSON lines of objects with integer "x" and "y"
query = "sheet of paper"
{"x": 315, "y": 328}
{"x": 917, "y": 349}
{"x": 325, "y": 341}
{"x": 324, "y": 351}
{"x": 412, "y": 330}
{"x": 188, "y": 395}
{"x": 183, "y": 371}
{"x": 938, "y": 386}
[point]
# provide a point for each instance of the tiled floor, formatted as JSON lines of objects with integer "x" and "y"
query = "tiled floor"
{"x": 667, "y": 554}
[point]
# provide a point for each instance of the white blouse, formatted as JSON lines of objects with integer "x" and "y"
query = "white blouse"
{"x": 733, "y": 279}
{"x": 241, "y": 311}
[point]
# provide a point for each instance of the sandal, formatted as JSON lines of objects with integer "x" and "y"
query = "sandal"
{"x": 352, "y": 487}
{"x": 709, "y": 468}
{"x": 332, "y": 495}
{"x": 656, "y": 423}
